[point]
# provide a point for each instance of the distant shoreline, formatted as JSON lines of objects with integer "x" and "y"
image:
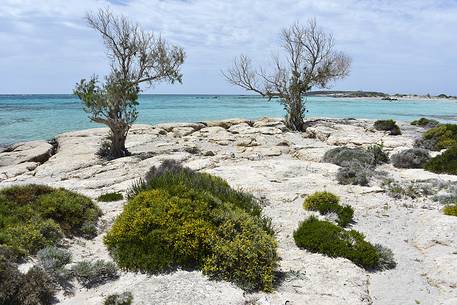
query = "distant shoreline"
{"x": 335, "y": 94}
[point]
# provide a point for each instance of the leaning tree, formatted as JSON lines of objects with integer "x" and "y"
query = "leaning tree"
{"x": 309, "y": 61}
{"x": 136, "y": 57}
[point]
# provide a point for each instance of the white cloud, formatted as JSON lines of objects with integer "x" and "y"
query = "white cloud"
{"x": 404, "y": 45}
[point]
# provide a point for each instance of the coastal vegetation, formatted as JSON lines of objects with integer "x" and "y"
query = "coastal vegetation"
{"x": 424, "y": 122}
{"x": 35, "y": 216}
{"x": 92, "y": 274}
{"x": 32, "y": 288}
{"x": 439, "y": 137}
{"x": 125, "y": 298}
{"x": 388, "y": 125}
{"x": 411, "y": 158}
{"x": 450, "y": 209}
{"x": 108, "y": 197}
{"x": 445, "y": 163}
{"x": 356, "y": 164}
{"x": 137, "y": 57}
{"x": 180, "y": 218}
{"x": 320, "y": 236}
{"x": 326, "y": 203}
{"x": 310, "y": 61}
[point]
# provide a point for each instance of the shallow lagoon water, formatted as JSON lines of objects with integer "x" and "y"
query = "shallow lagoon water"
{"x": 32, "y": 117}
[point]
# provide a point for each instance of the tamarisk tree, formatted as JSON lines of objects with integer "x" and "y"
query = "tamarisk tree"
{"x": 309, "y": 61}
{"x": 136, "y": 57}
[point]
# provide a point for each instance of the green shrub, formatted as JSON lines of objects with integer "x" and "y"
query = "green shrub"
{"x": 386, "y": 258}
{"x": 343, "y": 155}
{"x": 388, "y": 125}
{"x": 171, "y": 173}
{"x": 411, "y": 158}
{"x": 243, "y": 253}
{"x": 412, "y": 190}
{"x": 378, "y": 154}
{"x": 450, "y": 210}
{"x": 326, "y": 238}
{"x": 354, "y": 173}
{"x": 315, "y": 201}
{"x": 53, "y": 261}
{"x": 33, "y": 288}
{"x": 108, "y": 197}
{"x": 35, "y": 216}
{"x": 440, "y": 137}
{"x": 325, "y": 203}
{"x": 124, "y": 298}
{"x": 446, "y": 163}
{"x": 38, "y": 288}
{"x": 424, "y": 122}
{"x": 53, "y": 258}
{"x": 159, "y": 231}
{"x": 180, "y": 218}
{"x": 345, "y": 216}
{"x": 91, "y": 274}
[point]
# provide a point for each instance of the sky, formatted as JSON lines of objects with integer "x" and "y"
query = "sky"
{"x": 407, "y": 46}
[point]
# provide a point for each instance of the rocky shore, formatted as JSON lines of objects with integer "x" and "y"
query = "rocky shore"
{"x": 280, "y": 168}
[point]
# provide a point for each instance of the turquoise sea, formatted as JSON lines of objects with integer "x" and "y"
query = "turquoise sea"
{"x": 32, "y": 117}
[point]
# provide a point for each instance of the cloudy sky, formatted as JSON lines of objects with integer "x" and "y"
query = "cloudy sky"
{"x": 406, "y": 46}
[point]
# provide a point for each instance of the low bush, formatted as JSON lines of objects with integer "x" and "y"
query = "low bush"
{"x": 388, "y": 125}
{"x": 343, "y": 156}
{"x": 354, "y": 173}
{"x": 33, "y": 216}
{"x": 53, "y": 258}
{"x": 412, "y": 190}
{"x": 386, "y": 258}
{"x": 33, "y": 288}
{"x": 316, "y": 201}
{"x": 450, "y": 210}
{"x": 243, "y": 253}
{"x": 181, "y": 218}
{"x": 53, "y": 261}
{"x": 440, "y": 137}
{"x": 171, "y": 173}
{"x": 446, "y": 163}
{"x": 424, "y": 122}
{"x": 109, "y": 197}
{"x": 411, "y": 158}
{"x": 325, "y": 203}
{"x": 92, "y": 274}
{"x": 124, "y": 298}
{"x": 329, "y": 239}
{"x": 378, "y": 154}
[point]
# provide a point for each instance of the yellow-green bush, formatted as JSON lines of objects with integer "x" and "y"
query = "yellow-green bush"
{"x": 242, "y": 253}
{"x": 325, "y": 203}
{"x": 450, "y": 210}
{"x": 440, "y": 137}
{"x": 35, "y": 216}
{"x": 180, "y": 218}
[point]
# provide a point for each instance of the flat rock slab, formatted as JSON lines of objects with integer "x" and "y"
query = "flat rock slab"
{"x": 34, "y": 151}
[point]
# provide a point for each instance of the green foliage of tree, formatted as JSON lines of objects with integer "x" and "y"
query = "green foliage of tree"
{"x": 137, "y": 57}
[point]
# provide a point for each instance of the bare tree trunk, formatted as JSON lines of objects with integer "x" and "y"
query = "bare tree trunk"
{"x": 117, "y": 138}
{"x": 295, "y": 117}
